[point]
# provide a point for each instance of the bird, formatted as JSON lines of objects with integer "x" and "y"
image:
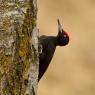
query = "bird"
{"x": 49, "y": 44}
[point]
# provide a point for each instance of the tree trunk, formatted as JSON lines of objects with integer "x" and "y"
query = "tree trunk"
{"x": 18, "y": 47}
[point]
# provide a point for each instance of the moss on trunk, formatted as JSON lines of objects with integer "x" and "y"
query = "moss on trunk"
{"x": 17, "y": 51}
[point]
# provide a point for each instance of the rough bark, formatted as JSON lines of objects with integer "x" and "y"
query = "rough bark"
{"x": 18, "y": 47}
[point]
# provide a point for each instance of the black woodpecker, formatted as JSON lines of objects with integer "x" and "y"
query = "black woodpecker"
{"x": 49, "y": 44}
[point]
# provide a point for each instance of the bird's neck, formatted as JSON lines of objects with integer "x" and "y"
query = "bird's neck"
{"x": 54, "y": 39}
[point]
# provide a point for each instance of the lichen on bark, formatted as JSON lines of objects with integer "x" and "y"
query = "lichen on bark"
{"x": 18, "y": 47}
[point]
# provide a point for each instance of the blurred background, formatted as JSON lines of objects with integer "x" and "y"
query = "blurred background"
{"x": 72, "y": 70}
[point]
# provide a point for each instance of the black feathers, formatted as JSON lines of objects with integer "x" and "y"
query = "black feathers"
{"x": 49, "y": 44}
{"x": 48, "y": 49}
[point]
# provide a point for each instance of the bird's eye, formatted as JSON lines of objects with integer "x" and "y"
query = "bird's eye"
{"x": 65, "y": 35}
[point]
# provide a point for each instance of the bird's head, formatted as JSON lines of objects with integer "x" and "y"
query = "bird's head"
{"x": 62, "y": 37}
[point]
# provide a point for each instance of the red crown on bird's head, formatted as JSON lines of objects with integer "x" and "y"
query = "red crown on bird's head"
{"x": 65, "y": 34}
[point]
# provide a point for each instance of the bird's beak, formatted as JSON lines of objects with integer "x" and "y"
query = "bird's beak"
{"x": 59, "y": 26}
{"x": 60, "y": 29}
